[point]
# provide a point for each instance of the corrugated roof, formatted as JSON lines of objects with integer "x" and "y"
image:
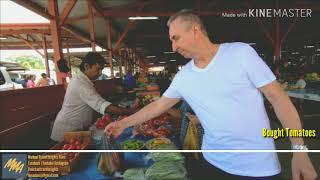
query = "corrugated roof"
{"x": 151, "y": 37}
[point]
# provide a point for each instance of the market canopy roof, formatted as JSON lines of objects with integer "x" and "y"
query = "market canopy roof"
{"x": 12, "y": 66}
{"x": 150, "y": 37}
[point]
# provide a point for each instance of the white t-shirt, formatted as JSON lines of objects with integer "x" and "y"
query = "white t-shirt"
{"x": 80, "y": 100}
{"x": 225, "y": 97}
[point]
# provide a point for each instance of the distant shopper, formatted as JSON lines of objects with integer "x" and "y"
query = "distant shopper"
{"x": 44, "y": 81}
{"x": 51, "y": 82}
{"x": 129, "y": 81}
{"x": 30, "y": 81}
{"x": 24, "y": 81}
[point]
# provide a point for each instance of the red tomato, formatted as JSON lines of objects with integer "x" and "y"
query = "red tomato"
{"x": 155, "y": 134}
{"x": 106, "y": 118}
{"x": 149, "y": 132}
{"x": 77, "y": 142}
{"x": 150, "y": 123}
{"x": 72, "y": 147}
{"x": 162, "y": 133}
{"x": 65, "y": 147}
{"x": 146, "y": 126}
{"x": 100, "y": 124}
{"x": 156, "y": 122}
{"x": 163, "y": 128}
{"x": 78, "y": 147}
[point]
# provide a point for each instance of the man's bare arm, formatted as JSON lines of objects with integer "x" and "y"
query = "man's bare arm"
{"x": 283, "y": 108}
{"x": 289, "y": 117}
{"x": 150, "y": 111}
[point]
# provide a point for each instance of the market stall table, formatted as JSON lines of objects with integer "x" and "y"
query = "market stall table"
{"x": 302, "y": 95}
{"x": 305, "y": 94}
{"x": 87, "y": 165}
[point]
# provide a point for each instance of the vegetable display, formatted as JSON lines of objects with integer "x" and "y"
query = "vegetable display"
{"x": 154, "y": 143}
{"x": 134, "y": 174}
{"x": 132, "y": 144}
{"x": 166, "y": 170}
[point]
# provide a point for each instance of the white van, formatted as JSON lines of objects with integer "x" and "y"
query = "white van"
{"x": 6, "y": 82}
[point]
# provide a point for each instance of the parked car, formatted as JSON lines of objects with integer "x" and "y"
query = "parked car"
{"x": 11, "y": 76}
{"x": 5, "y": 80}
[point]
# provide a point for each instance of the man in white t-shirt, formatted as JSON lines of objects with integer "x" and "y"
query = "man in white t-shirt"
{"x": 224, "y": 84}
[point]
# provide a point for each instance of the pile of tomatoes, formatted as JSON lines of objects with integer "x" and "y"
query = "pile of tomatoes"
{"x": 103, "y": 122}
{"x": 157, "y": 127}
{"x": 73, "y": 144}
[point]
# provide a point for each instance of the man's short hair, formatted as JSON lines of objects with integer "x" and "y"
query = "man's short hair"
{"x": 92, "y": 58}
{"x": 43, "y": 75}
{"x": 190, "y": 17}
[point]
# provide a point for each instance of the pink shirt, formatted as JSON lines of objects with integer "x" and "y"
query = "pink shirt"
{"x": 31, "y": 84}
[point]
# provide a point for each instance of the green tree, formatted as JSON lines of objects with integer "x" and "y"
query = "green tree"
{"x": 31, "y": 62}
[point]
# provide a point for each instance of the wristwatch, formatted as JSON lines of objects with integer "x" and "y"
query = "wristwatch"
{"x": 299, "y": 147}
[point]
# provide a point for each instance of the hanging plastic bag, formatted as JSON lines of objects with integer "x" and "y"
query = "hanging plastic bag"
{"x": 191, "y": 140}
{"x": 108, "y": 162}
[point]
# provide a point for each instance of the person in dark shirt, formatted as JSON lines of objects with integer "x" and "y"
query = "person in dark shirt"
{"x": 129, "y": 81}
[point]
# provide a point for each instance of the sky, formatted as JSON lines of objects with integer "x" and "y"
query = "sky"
{"x": 11, "y": 12}
{"x": 8, "y": 14}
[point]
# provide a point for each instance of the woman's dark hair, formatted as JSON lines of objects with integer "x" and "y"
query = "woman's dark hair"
{"x": 29, "y": 77}
{"x": 92, "y": 58}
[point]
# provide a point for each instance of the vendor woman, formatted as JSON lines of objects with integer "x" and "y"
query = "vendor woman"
{"x": 82, "y": 99}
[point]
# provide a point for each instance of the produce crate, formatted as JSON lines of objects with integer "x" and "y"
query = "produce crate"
{"x": 84, "y": 136}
